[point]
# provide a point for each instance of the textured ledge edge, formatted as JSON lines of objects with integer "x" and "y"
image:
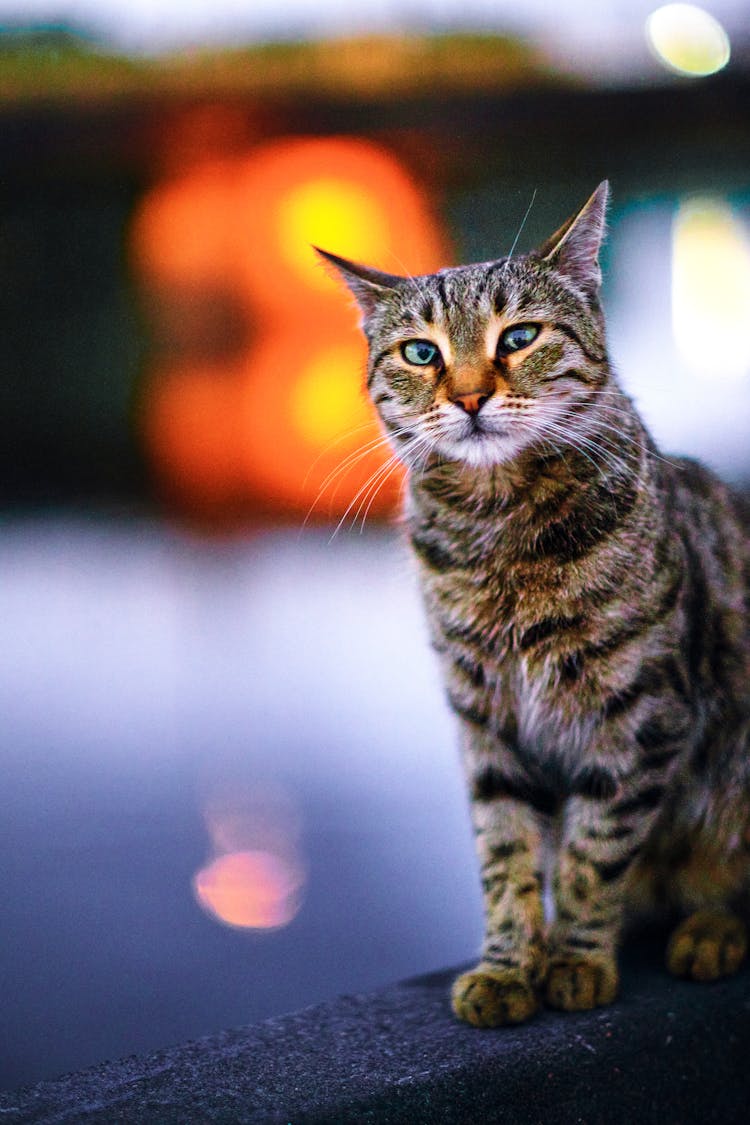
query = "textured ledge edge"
{"x": 668, "y": 1051}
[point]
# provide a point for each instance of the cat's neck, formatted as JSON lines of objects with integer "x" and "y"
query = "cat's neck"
{"x": 543, "y": 496}
{"x": 532, "y": 481}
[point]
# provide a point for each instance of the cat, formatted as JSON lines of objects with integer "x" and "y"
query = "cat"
{"x": 588, "y": 599}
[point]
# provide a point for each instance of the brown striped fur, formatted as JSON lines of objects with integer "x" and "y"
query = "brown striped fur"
{"x": 588, "y": 600}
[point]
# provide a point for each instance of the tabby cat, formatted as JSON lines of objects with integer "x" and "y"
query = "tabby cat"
{"x": 589, "y": 602}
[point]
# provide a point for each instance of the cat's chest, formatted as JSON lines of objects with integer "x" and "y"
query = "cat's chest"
{"x": 549, "y": 721}
{"x": 493, "y": 680}
{"x": 495, "y": 626}
{"x": 502, "y": 610}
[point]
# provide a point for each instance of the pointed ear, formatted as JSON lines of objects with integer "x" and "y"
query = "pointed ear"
{"x": 368, "y": 285}
{"x": 574, "y": 248}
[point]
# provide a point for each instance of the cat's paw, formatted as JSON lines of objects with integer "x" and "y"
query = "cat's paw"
{"x": 576, "y": 984}
{"x": 489, "y": 997}
{"x": 707, "y": 945}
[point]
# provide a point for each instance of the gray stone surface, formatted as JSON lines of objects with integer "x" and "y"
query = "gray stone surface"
{"x": 669, "y": 1052}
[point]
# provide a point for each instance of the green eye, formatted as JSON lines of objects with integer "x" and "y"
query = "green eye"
{"x": 517, "y": 337}
{"x": 420, "y": 352}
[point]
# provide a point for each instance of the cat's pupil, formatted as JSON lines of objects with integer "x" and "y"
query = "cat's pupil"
{"x": 419, "y": 352}
{"x": 520, "y": 336}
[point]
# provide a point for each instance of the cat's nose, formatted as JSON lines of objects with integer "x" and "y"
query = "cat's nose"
{"x": 472, "y": 403}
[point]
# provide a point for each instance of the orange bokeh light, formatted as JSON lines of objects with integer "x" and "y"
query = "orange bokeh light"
{"x": 315, "y": 415}
{"x": 257, "y": 425}
{"x": 183, "y": 233}
{"x": 341, "y": 193}
{"x": 190, "y": 422}
{"x": 250, "y": 889}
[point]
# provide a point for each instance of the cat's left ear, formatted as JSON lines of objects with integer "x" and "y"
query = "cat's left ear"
{"x": 574, "y": 248}
{"x": 368, "y": 285}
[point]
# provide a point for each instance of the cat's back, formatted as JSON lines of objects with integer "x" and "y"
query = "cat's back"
{"x": 711, "y": 520}
{"x": 712, "y": 517}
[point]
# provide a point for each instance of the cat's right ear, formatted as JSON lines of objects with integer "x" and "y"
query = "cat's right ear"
{"x": 368, "y": 285}
{"x": 574, "y": 248}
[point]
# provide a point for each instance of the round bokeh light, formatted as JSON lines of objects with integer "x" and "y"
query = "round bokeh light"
{"x": 687, "y": 40}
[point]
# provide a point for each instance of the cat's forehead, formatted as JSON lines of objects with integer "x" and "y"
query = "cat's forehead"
{"x": 476, "y": 292}
{"x": 473, "y": 287}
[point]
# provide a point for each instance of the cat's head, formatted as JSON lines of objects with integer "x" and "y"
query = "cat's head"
{"x": 477, "y": 363}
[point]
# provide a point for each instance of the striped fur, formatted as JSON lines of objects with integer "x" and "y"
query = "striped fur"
{"x": 588, "y": 601}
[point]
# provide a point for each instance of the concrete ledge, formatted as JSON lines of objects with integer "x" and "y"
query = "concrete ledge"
{"x": 668, "y": 1053}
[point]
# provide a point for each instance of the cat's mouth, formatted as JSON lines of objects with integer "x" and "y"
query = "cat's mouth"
{"x": 478, "y": 428}
{"x": 480, "y": 441}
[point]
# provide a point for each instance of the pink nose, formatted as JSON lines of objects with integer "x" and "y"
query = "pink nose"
{"x": 472, "y": 404}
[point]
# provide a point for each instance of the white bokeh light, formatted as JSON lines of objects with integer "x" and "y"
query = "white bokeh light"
{"x": 711, "y": 289}
{"x": 688, "y": 40}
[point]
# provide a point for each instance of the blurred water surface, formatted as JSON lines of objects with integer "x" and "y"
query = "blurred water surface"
{"x": 166, "y": 700}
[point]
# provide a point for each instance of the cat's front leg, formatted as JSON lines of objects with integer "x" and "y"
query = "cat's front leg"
{"x": 504, "y": 987}
{"x": 599, "y": 843}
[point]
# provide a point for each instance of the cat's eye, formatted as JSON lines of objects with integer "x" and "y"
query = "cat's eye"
{"x": 421, "y": 353}
{"x": 518, "y": 337}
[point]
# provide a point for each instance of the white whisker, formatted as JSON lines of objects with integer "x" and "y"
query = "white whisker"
{"x": 523, "y": 224}
{"x": 408, "y": 276}
{"x": 341, "y": 470}
{"x": 551, "y": 431}
{"x": 553, "y": 426}
{"x": 390, "y": 463}
{"x": 602, "y": 421}
{"x": 374, "y": 482}
{"x": 420, "y": 445}
{"x": 366, "y": 503}
{"x": 370, "y": 491}
{"x": 333, "y": 443}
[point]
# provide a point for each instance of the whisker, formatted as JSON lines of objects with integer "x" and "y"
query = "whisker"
{"x": 644, "y": 446}
{"x": 388, "y": 469}
{"x": 422, "y": 458}
{"x": 552, "y": 431}
{"x": 625, "y": 411}
{"x": 347, "y": 464}
{"x": 362, "y": 492}
{"x": 404, "y": 457}
{"x": 382, "y": 439}
{"x": 593, "y": 420}
{"x": 337, "y": 441}
{"x": 341, "y": 470}
{"x": 523, "y": 224}
{"x": 582, "y": 442}
{"x": 608, "y": 392}
{"x": 352, "y": 458}
{"x": 408, "y": 276}
{"x": 599, "y": 422}
{"x": 357, "y": 496}
{"x": 370, "y": 491}
{"x": 607, "y": 454}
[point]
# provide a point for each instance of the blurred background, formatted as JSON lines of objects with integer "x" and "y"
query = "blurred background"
{"x": 229, "y": 781}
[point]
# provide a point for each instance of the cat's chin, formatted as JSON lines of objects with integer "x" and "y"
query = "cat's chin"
{"x": 483, "y": 450}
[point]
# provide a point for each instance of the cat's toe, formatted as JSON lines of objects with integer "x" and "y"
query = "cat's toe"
{"x": 491, "y": 998}
{"x": 707, "y": 945}
{"x": 576, "y": 984}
